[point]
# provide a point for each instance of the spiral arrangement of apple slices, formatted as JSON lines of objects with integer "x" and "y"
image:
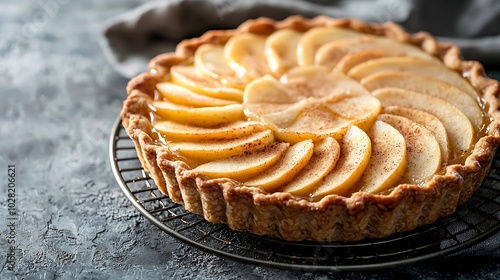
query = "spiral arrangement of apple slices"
{"x": 328, "y": 111}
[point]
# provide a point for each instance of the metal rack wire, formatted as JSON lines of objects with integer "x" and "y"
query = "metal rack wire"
{"x": 472, "y": 222}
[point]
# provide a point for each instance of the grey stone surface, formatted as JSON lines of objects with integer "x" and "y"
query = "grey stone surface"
{"x": 58, "y": 101}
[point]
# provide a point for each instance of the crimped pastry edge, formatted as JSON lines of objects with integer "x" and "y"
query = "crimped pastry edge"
{"x": 334, "y": 217}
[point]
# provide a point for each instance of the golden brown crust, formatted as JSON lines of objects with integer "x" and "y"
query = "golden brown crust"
{"x": 334, "y": 217}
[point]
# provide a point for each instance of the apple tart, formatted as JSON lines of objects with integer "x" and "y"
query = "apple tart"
{"x": 321, "y": 129}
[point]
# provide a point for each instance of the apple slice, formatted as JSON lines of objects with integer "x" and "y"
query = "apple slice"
{"x": 319, "y": 81}
{"x": 349, "y": 61}
{"x": 267, "y": 90}
{"x": 245, "y": 55}
{"x": 388, "y": 159}
{"x": 323, "y": 160}
{"x": 265, "y": 96}
{"x": 281, "y": 50}
{"x": 424, "y": 84}
{"x": 191, "y": 78}
{"x": 433, "y": 124}
{"x": 183, "y": 96}
{"x": 459, "y": 128}
{"x": 209, "y": 59}
{"x": 413, "y": 65}
{"x": 313, "y": 39}
{"x": 204, "y": 151}
{"x": 307, "y": 120}
{"x": 422, "y": 149}
{"x": 311, "y": 120}
{"x": 313, "y": 103}
{"x": 245, "y": 166}
{"x": 177, "y": 131}
{"x": 355, "y": 152}
{"x": 266, "y": 100}
{"x": 286, "y": 117}
{"x": 203, "y": 116}
{"x": 332, "y": 53}
{"x": 296, "y": 158}
{"x": 356, "y": 108}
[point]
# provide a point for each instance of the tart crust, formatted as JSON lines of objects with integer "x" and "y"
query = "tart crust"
{"x": 334, "y": 217}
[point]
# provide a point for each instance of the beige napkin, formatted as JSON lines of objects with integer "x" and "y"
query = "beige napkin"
{"x": 132, "y": 39}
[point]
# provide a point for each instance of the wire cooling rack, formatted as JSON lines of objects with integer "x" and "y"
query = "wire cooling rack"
{"x": 472, "y": 222}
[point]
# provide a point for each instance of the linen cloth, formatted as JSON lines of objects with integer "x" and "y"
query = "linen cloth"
{"x": 130, "y": 40}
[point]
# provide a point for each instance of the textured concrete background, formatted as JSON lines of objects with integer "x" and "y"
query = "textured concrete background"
{"x": 59, "y": 99}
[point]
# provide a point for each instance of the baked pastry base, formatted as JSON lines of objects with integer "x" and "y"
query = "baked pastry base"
{"x": 334, "y": 217}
